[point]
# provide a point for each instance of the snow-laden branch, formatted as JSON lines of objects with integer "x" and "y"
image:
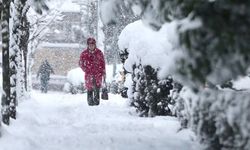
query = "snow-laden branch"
{"x": 42, "y": 22}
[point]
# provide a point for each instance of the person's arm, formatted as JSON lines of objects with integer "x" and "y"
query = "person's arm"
{"x": 103, "y": 66}
{"x": 50, "y": 68}
{"x": 81, "y": 63}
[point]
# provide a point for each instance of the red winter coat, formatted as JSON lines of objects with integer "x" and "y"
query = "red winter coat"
{"x": 93, "y": 64}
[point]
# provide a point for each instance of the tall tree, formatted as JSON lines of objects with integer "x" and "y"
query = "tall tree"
{"x": 1, "y": 8}
{"x": 5, "y": 101}
{"x": 11, "y": 55}
{"x": 18, "y": 14}
{"x": 24, "y": 48}
{"x": 124, "y": 16}
{"x": 93, "y": 19}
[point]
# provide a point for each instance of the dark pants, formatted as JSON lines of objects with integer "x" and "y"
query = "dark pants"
{"x": 93, "y": 97}
{"x": 44, "y": 85}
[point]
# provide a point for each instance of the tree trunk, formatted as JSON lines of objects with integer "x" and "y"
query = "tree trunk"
{"x": 5, "y": 58}
{"x": 114, "y": 69}
{"x": 1, "y": 8}
{"x": 24, "y": 48}
{"x": 18, "y": 13}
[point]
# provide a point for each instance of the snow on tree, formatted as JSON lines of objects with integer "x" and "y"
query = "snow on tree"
{"x": 213, "y": 46}
{"x": 146, "y": 52}
{"x": 216, "y": 50}
{"x": 17, "y": 12}
{"x": 151, "y": 96}
{"x": 124, "y": 15}
{"x": 39, "y": 5}
{"x": 38, "y": 28}
{"x": 13, "y": 16}
{"x": 5, "y": 100}
{"x": 219, "y": 52}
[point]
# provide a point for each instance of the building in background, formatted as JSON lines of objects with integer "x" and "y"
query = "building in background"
{"x": 61, "y": 45}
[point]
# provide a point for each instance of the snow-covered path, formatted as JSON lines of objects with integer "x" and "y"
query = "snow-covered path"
{"x": 57, "y": 121}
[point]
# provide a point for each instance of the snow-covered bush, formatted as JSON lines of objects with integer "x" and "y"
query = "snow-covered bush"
{"x": 114, "y": 78}
{"x": 75, "y": 81}
{"x": 183, "y": 97}
{"x": 147, "y": 55}
{"x": 150, "y": 95}
{"x": 221, "y": 119}
{"x": 214, "y": 38}
{"x": 113, "y": 87}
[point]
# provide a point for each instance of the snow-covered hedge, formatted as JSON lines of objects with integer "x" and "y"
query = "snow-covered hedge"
{"x": 183, "y": 107}
{"x": 148, "y": 47}
{"x": 220, "y": 118}
{"x": 150, "y": 95}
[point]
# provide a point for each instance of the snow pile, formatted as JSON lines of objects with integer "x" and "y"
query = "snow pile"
{"x": 76, "y": 76}
{"x": 148, "y": 47}
{"x": 242, "y": 83}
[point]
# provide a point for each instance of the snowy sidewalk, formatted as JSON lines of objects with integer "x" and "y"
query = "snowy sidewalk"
{"x": 57, "y": 121}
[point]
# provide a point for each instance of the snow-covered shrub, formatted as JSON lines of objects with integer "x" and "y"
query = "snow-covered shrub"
{"x": 75, "y": 81}
{"x": 183, "y": 97}
{"x": 220, "y": 119}
{"x": 150, "y": 95}
{"x": 215, "y": 42}
{"x": 124, "y": 91}
{"x": 147, "y": 55}
{"x": 114, "y": 87}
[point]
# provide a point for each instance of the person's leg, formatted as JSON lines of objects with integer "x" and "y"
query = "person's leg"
{"x": 42, "y": 85}
{"x": 46, "y": 86}
{"x": 90, "y": 97}
{"x": 97, "y": 96}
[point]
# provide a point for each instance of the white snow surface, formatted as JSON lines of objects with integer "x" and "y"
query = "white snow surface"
{"x": 149, "y": 47}
{"x": 76, "y": 76}
{"x": 57, "y": 121}
{"x": 65, "y": 5}
{"x": 242, "y": 83}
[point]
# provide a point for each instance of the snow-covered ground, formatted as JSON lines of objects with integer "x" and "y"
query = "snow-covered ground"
{"x": 58, "y": 121}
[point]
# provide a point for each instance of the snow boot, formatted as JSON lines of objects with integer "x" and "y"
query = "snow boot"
{"x": 96, "y": 99}
{"x": 90, "y": 98}
{"x": 96, "y": 96}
